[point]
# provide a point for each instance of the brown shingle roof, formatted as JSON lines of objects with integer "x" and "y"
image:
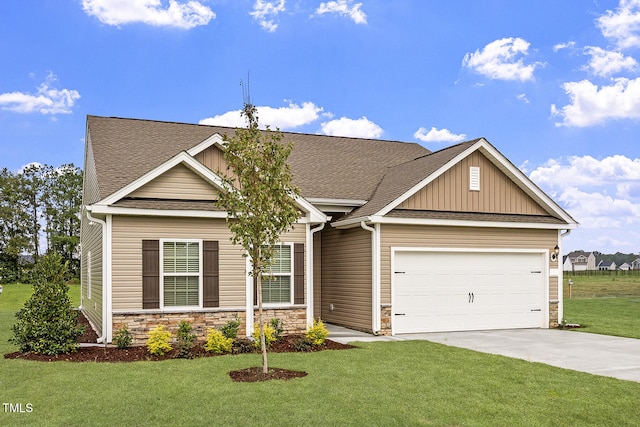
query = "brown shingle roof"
{"x": 474, "y": 216}
{"x": 322, "y": 166}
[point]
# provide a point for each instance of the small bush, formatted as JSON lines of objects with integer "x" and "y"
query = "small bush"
{"x": 47, "y": 323}
{"x": 303, "y": 344}
{"x": 217, "y": 342}
{"x": 230, "y": 329}
{"x": 317, "y": 333}
{"x": 243, "y": 345}
{"x": 159, "y": 341}
{"x": 122, "y": 338}
{"x": 269, "y": 335}
{"x": 186, "y": 340}
{"x": 276, "y": 324}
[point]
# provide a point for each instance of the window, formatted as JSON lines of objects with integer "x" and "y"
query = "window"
{"x": 181, "y": 272}
{"x": 276, "y": 284}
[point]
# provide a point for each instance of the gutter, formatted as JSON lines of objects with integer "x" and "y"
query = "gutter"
{"x": 103, "y": 224}
{"x": 375, "y": 275}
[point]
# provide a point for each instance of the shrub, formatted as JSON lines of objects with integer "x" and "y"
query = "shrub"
{"x": 230, "y": 329}
{"x": 317, "y": 333}
{"x": 217, "y": 342}
{"x": 159, "y": 341}
{"x": 303, "y": 344}
{"x": 243, "y": 345}
{"x": 122, "y": 338}
{"x": 276, "y": 324}
{"x": 186, "y": 340}
{"x": 269, "y": 335}
{"x": 47, "y": 323}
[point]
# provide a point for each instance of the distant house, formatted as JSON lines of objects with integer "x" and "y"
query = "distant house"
{"x": 635, "y": 264}
{"x": 606, "y": 265}
{"x": 624, "y": 266}
{"x": 580, "y": 261}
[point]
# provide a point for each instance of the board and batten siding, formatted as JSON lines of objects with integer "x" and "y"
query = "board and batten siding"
{"x": 393, "y": 235}
{"x": 178, "y": 183}
{"x": 346, "y": 277}
{"x": 129, "y": 231}
{"x": 91, "y": 242}
{"x": 450, "y": 191}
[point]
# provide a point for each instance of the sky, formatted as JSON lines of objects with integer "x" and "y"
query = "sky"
{"x": 553, "y": 85}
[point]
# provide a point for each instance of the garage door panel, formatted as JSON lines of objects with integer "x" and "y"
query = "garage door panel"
{"x": 444, "y": 291}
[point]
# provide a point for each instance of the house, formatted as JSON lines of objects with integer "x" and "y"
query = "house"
{"x": 635, "y": 264}
{"x": 625, "y": 266}
{"x": 392, "y": 238}
{"x": 606, "y": 265}
{"x": 580, "y": 261}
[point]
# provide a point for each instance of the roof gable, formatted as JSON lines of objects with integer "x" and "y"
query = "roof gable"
{"x": 178, "y": 183}
{"x": 406, "y": 180}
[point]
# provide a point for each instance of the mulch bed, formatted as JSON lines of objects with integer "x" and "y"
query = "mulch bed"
{"x": 286, "y": 344}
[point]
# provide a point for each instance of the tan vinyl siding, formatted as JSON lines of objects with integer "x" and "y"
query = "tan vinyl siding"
{"x": 129, "y": 231}
{"x": 92, "y": 241}
{"x": 90, "y": 190}
{"x": 459, "y": 237}
{"x": 450, "y": 191}
{"x": 346, "y": 277}
{"x": 178, "y": 183}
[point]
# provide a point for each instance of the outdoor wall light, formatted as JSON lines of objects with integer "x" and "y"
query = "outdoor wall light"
{"x": 554, "y": 253}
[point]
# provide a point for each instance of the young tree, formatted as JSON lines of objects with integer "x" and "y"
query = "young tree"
{"x": 260, "y": 200}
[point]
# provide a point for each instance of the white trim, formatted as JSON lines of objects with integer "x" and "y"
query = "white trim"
{"x": 182, "y": 157}
{"x": 249, "y": 297}
{"x": 199, "y": 275}
{"x": 107, "y": 302}
{"x": 309, "y": 253}
{"x": 354, "y": 222}
{"x": 215, "y": 139}
{"x": 504, "y": 165}
{"x": 335, "y": 205}
{"x": 116, "y": 210}
{"x": 544, "y": 253}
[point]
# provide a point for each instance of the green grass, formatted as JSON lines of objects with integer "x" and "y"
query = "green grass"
{"x": 405, "y": 383}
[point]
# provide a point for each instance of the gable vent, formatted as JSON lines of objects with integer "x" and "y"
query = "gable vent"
{"x": 474, "y": 178}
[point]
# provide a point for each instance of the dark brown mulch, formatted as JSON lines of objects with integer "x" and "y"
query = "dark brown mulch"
{"x": 140, "y": 353}
{"x": 255, "y": 374}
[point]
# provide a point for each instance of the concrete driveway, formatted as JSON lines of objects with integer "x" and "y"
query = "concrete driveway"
{"x": 596, "y": 354}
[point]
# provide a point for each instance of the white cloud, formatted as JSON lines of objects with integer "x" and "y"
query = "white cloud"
{"x": 343, "y": 8}
{"x": 590, "y": 105}
{"x": 602, "y": 195}
{"x": 604, "y": 63}
{"x": 623, "y": 25}
{"x": 438, "y": 135}
{"x": 185, "y": 15}
{"x": 46, "y": 100}
{"x": 566, "y": 45}
{"x": 357, "y": 128}
{"x": 265, "y": 13}
{"x": 289, "y": 117}
{"x": 523, "y": 97}
{"x": 497, "y": 60}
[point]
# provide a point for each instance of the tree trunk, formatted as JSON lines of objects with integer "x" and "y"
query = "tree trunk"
{"x": 257, "y": 283}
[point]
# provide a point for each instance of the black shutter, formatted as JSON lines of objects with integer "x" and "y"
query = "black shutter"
{"x": 211, "y": 274}
{"x": 298, "y": 273}
{"x": 150, "y": 274}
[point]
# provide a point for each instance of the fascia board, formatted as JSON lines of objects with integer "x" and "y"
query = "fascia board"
{"x": 182, "y": 157}
{"x": 463, "y": 223}
{"x": 314, "y": 214}
{"x": 428, "y": 179}
{"x": 215, "y": 139}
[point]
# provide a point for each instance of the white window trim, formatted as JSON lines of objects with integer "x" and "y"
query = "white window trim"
{"x": 290, "y": 275}
{"x": 163, "y": 274}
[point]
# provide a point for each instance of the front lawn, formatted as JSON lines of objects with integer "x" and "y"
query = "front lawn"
{"x": 379, "y": 384}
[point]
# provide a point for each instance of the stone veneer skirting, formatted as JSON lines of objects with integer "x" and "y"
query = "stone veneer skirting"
{"x": 553, "y": 314}
{"x": 294, "y": 321}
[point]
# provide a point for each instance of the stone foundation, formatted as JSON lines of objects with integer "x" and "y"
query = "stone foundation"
{"x": 294, "y": 321}
{"x": 553, "y": 314}
{"x": 385, "y": 320}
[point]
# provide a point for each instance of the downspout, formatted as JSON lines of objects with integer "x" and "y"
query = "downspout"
{"x": 375, "y": 275}
{"x": 561, "y": 277}
{"x": 310, "y": 284}
{"x": 103, "y": 224}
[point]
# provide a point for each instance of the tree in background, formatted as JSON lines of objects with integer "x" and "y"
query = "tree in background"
{"x": 39, "y": 198}
{"x": 260, "y": 200}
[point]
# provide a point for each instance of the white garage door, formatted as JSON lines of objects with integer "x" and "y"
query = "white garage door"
{"x": 460, "y": 291}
